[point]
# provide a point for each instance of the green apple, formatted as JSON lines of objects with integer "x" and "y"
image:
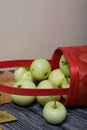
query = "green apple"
{"x": 57, "y": 77}
{"x": 46, "y": 84}
{"x": 40, "y": 69}
{"x": 66, "y": 84}
{"x": 19, "y": 72}
{"x": 54, "y": 112}
{"x": 23, "y": 100}
{"x": 27, "y": 76}
{"x": 63, "y": 65}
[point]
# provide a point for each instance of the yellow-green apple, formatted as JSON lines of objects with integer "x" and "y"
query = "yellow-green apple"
{"x": 40, "y": 69}
{"x": 57, "y": 77}
{"x": 18, "y": 73}
{"x": 54, "y": 112}
{"x": 23, "y": 100}
{"x": 46, "y": 84}
{"x": 66, "y": 84}
{"x": 63, "y": 65}
{"x": 27, "y": 76}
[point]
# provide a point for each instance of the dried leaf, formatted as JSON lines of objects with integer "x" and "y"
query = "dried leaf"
{"x": 6, "y": 78}
{"x": 1, "y": 129}
{"x": 6, "y": 117}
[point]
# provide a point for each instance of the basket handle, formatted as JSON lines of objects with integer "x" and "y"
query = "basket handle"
{"x": 26, "y": 91}
{"x": 33, "y": 92}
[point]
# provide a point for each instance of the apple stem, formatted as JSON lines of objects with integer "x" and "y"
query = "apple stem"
{"x": 55, "y": 106}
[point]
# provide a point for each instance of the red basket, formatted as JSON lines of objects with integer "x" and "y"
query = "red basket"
{"x": 77, "y": 92}
{"x": 77, "y": 59}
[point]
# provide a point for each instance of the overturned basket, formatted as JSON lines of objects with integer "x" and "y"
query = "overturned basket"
{"x": 77, "y": 92}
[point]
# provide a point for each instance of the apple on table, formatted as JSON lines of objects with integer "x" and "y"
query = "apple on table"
{"x": 54, "y": 112}
{"x": 23, "y": 100}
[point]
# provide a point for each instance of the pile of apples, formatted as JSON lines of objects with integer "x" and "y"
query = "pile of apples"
{"x": 40, "y": 75}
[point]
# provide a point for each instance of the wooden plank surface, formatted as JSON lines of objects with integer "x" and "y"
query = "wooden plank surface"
{"x": 30, "y": 118}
